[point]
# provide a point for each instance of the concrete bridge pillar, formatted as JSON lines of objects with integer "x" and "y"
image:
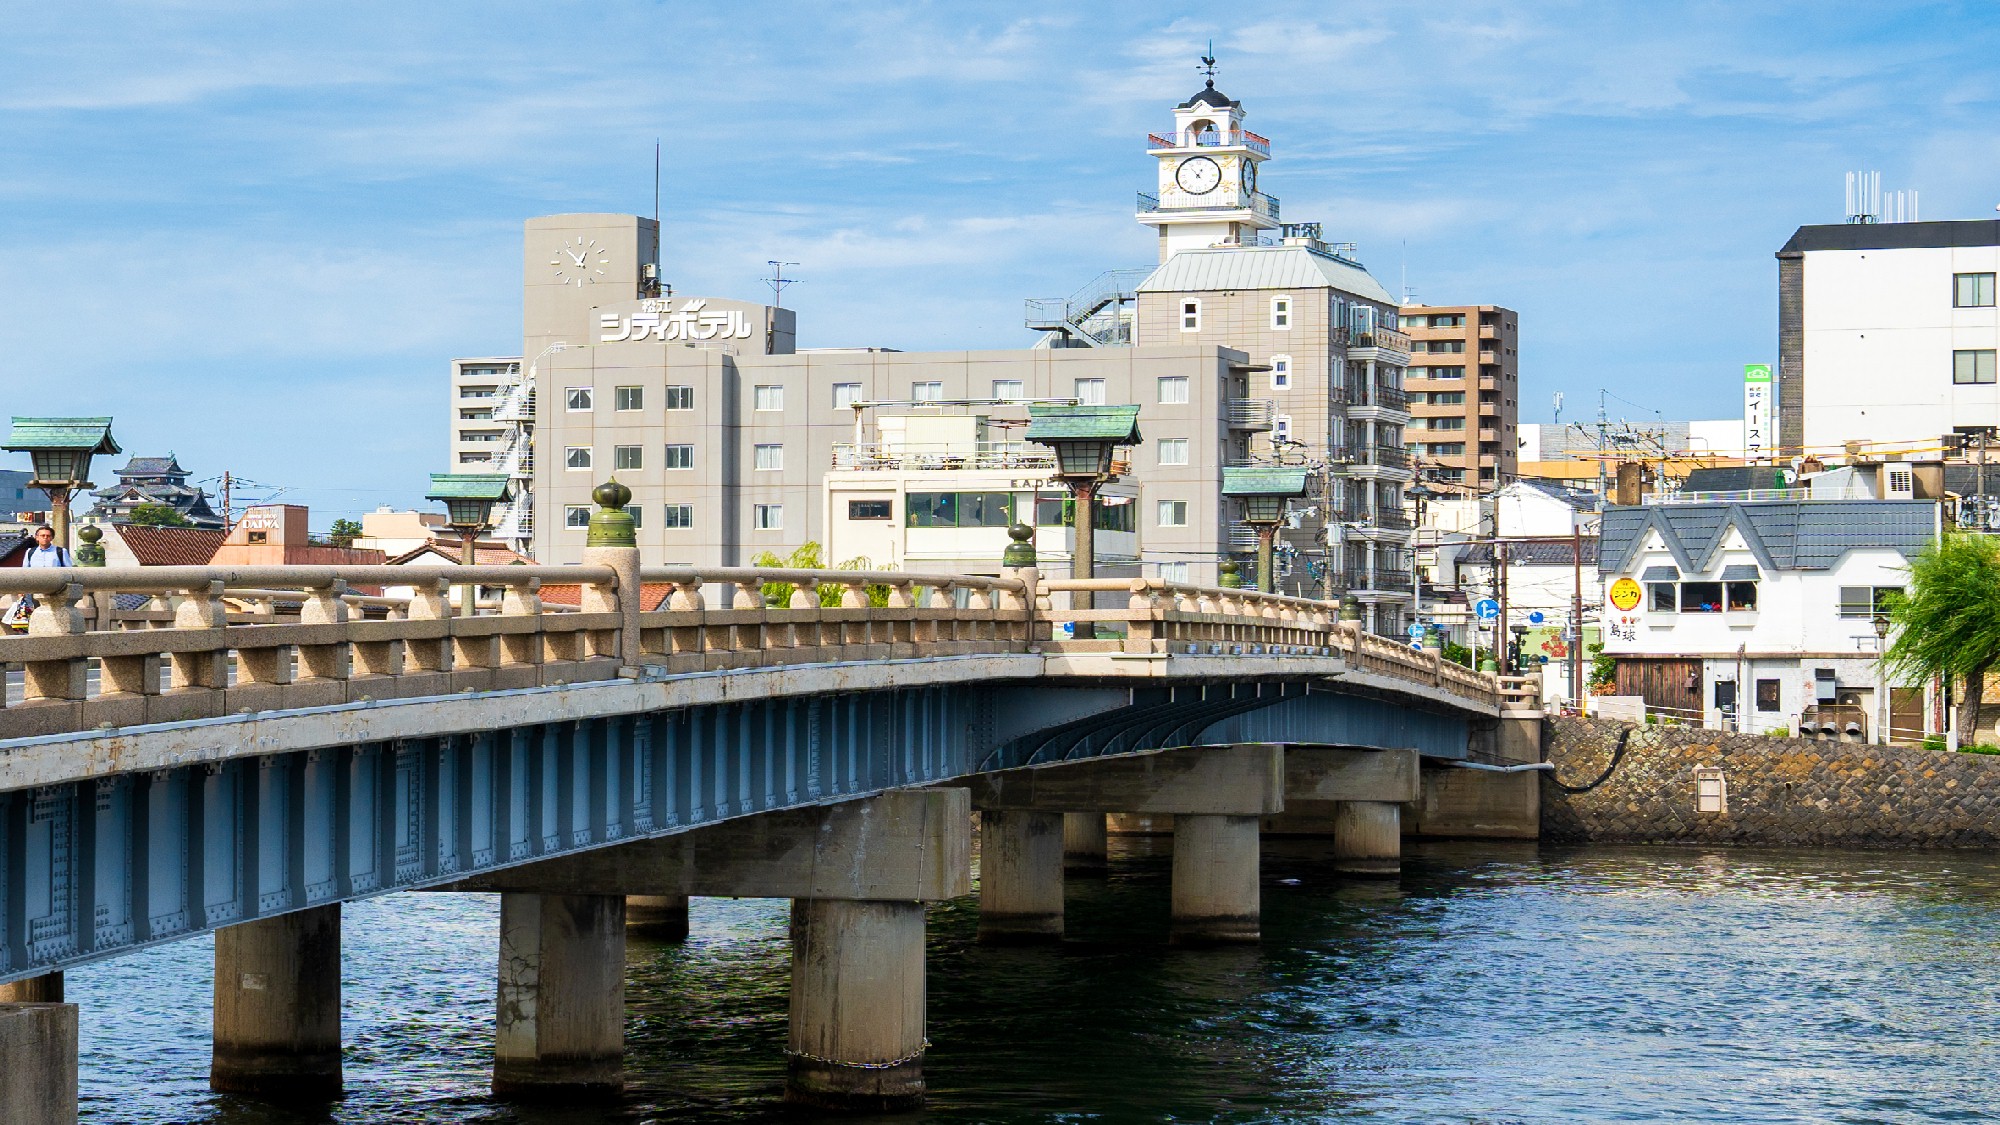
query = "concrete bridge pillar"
{"x": 1021, "y": 856}
{"x": 1368, "y": 837}
{"x": 657, "y": 917}
{"x": 44, "y": 989}
{"x": 1085, "y": 843}
{"x": 560, "y": 1031}
{"x": 38, "y": 1064}
{"x": 1215, "y": 884}
{"x": 857, "y": 1017}
{"x": 276, "y": 1031}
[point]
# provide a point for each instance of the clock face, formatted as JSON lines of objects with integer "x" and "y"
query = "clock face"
{"x": 580, "y": 261}
{"x": 1249, "y": 175}
{"x": 1198, "y": 175}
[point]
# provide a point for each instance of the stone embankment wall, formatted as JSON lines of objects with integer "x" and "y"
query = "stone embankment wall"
{"x": 1779, "y": 791}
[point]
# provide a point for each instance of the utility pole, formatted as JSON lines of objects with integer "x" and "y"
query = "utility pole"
{"x": 228, "y": 520}
{"x": 1576, "y": 615}
{"x": 1500, "y": 626}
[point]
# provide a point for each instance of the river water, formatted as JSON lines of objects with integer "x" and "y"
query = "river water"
{"x": 1490, "y": 984}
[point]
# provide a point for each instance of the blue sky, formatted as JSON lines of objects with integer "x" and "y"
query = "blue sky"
{"x": 255, "y": 232}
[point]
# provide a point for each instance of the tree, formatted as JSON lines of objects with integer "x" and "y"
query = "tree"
{"x": 157, "y": 515}
{"x": 343, "y": 533}
{"x": 807, "y": 557}
{"x": 1948, "y": 622}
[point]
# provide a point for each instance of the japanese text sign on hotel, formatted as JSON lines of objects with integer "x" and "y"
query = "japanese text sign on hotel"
{"x": 1756, "y": 410}
{"x": 657, "y": 319}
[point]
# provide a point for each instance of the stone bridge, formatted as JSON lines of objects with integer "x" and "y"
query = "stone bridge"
{"x": 187, "y": 749}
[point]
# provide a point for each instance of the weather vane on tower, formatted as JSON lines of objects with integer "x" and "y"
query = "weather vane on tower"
{"x": 1207, "y": 66}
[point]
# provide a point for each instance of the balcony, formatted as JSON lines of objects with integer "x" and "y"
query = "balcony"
{"x": 1378, "y": 337}
{"x": 1259, "y": 204}
{"x": 1213, "y": 138}
{"x": 1487, "y": 433}
{"x": 1255, "y": 414}
{"x": 1240, "y": 537}
{"x": 977, "y": 455}
{"x": 1488, "y": 355}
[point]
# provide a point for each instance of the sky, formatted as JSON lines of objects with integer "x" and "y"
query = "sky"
{"x": 255, "y": 233}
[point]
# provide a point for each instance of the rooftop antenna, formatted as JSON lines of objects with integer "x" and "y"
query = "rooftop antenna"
{"x": 1864, "y": 197}
{"x": 1207, "y": 66}
{"x": 777, "y": 281}
{"x": 656, "y": 181}
{"x": 1559, "y": 409}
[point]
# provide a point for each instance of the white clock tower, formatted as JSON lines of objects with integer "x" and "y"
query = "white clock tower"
{"x": 1208, "y": 177}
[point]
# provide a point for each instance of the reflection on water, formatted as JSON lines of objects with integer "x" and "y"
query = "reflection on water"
{"x": 1493, "y": 983}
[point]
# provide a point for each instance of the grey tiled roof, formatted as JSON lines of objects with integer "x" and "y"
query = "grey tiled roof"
{"x": 1266, "y": 267}
{"x": 1783, "y": 535}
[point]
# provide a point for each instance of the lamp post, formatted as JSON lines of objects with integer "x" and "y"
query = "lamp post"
{"x": 61, "y": 449}
{"x": 1085, "y": 439}
{"x": 1264, "y": 491}
{"x": 1422, "y": 495}
{"x": 469, "y": 499}
{"x": 1881, "y": 624}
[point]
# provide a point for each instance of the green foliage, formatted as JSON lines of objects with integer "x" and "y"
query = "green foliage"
{"x": 1779, "y": 732}
{"x": 157, "y": 515}
{"x": 1603, "y": 669}
{"x": 807, "y": 557}
{"x": 1948, "y": 624}
{"x": 1652, "y": 720}
{"x": 1982, "y": 748}
{"x": 343, "y": 533}
{"x": 1934, "y": 742}
{"x": 1457, "y": 653}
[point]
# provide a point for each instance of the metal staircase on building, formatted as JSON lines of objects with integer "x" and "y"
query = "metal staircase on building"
{"x": 1099, "y": 315}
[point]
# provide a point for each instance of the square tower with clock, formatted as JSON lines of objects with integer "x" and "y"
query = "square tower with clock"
{"x": 574, "y": 263}
{"x": 1208, "y": 193}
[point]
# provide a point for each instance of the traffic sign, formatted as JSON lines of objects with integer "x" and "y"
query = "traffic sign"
{"x": 1535, "y": 618}
{"x": 1416, "y": 629}
{"x": 1486, "y": 608}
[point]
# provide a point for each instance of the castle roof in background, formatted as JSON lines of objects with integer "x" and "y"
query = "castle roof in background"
{"x": 1782, "y": 534}
{"x": 168, "y": 466}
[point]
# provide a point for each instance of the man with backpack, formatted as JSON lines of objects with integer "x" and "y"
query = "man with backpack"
{"x": 43, "y": 553}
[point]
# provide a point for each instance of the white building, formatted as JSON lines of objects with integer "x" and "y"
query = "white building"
{"x": 1887, "y": 334}
{"x": 1761, "y": 614}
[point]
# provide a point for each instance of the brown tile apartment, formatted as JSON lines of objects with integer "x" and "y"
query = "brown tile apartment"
{"x": 1464, "y": 387}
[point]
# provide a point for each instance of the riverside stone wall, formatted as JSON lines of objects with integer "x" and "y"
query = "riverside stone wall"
{"x": 1780, "y": 791}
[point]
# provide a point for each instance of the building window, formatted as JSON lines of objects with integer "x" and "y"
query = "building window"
{"x": 868, "y": 509}
{"x": 1173, "y": 513}
{"x": 576, "y": 457}
{"x": 1742, "y": 596}
{"x": 576, "y": 515}
{"x": 1661, "y": 597}
{"x": 768, "y": 397}
{"x": 1281, "y": 312}
{"x": 1008, "y": 389}
{"x": 465, "y": 459}
{"x": 680, "y": 457}
{"x": 1173, "y": 389}
{"x": 1281, "y": 373}
{"x": 576, "y": 399}
{"x": 770, "y": 458}
{"x": 926, "y": 392}
{"x": 1866, "y": 601}
{"x": 1090, "y": 392}
{"x": 1190, "y": 316}
{"x": 767, "y": 517}
{"x": 1173, "y": 572}
{"x": 1174, "y": 451}
{"x": 680, "y": 398}
{"x": 1701, "y": 597}
{"x": 1972, "y": 366}
{"x": 638, "y": 514}
{"x": 958, "y": 509}
{"x": 1768, "y": 698}
{"x": 845, "y": 395}
{"x": 679, "y": 515}
{"x": 627, "y": 457}
{"x": 1281, "y": 428}
{"x": 628, "y": 398}
{"x": 1972, "y": 290}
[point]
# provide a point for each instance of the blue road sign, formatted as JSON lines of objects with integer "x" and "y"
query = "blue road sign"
{"x": 1486, "y": 608}
{"x": 1416, "y": 629}
{"x": 1535, "y": 618}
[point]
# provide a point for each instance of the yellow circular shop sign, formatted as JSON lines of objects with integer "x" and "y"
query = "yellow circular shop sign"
{"x": 1625, "y": 594}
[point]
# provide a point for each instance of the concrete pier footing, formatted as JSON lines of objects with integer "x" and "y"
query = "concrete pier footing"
{"x": 276, "y": 1029}
{"x": 1085, "y": 842}
{"x": 1021, "y": 875}
{"x": 44, "y": 989}
{"x": 1368, "y": 838}
{"x": 857, "y": 1011}
{"x": 38, "y": 1064}
{"x": 1215, "y": 892}
{"x": 560, "y": 1027}
{"x": 657, "y": 917}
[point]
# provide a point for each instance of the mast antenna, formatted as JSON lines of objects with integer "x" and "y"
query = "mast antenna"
{"x": 777, "y": 281}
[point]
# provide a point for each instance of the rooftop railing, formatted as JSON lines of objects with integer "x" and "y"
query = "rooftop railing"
{"x": 980, "y": 455}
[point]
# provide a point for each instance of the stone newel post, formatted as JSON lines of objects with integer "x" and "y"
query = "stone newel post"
{"x": 612, "y": 541}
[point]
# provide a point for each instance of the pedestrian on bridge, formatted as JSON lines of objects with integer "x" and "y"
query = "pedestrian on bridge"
{"x": 45, "y": 552}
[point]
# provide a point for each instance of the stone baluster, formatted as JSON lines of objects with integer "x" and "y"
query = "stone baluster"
{"x": 1144, "y": 624}
{"x": 517, "y": 602}
{"x": 753, "y": 636}
{"x": 856, "y": 631}
{"x": 430, "y": 601}
{"x": 812, "y": 632}
{"x": 57, "y": 615}
{"x": 208, "y": 666}
{"x": 685, "y": 598}
{"x": 904, "y": 631}
{"x": 327, "y": 659}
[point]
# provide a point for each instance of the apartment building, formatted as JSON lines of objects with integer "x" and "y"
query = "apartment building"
{"x": 477, "y": 385}
{"x": 1887, "y": 334}
{"x": 1464, "y": 389}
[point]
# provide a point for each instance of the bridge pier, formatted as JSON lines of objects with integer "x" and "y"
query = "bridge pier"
{"x": 662, "y": 918}
{"x": 857, "y": 1015}
{"x": 560, "y": 1027}
{"x": 276, "y": 1029}
{"x": 1215, "y": 883}
{"x": 1021, "y": 855}
{"x": 1368, "y": 838}
{"x": 1085, "y": 843}
{"x": 44, "y": 989}
{"x": 38, "y": 1064}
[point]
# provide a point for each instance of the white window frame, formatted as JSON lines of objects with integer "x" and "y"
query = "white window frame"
{"x": 1170, "y": 513}
{"x": 1173, "y": 451}
{"x": 668, "y": 523}
{"x": 618, "y": 453}
{"x": 1281, "y": 314}
{"x": 767, "y": 517}
{"x": 570, "y": 514}
{"x": 767, "y": 397}
{"x": 1009, "y": 389}
{"x": 1173, "y": 390}
{"x": 571, "y": 395}
{"x": 1173, "y": 572}
{"x": 620, "y": 394}
{"x": 1281, "y": 373}
{"x": 668, "y": 462}
{"x": 771, "y": 450}
{"x": 1191, "y": 314}
{"x": 671, "y": 388}
{"x": 1098, "y": 393}
{"x": 927, "y": 390}
{"x": 845, "y": 395}
{"x": 1281, "y": 428}
{"x": 570, "y": 458}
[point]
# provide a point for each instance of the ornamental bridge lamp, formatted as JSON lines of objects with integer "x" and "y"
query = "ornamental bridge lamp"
{"x": 1265, "y": 491}
{"x": 1085, "y": 440}
{"x": 469, "y": 499}
{"x": 61, "y": 449}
